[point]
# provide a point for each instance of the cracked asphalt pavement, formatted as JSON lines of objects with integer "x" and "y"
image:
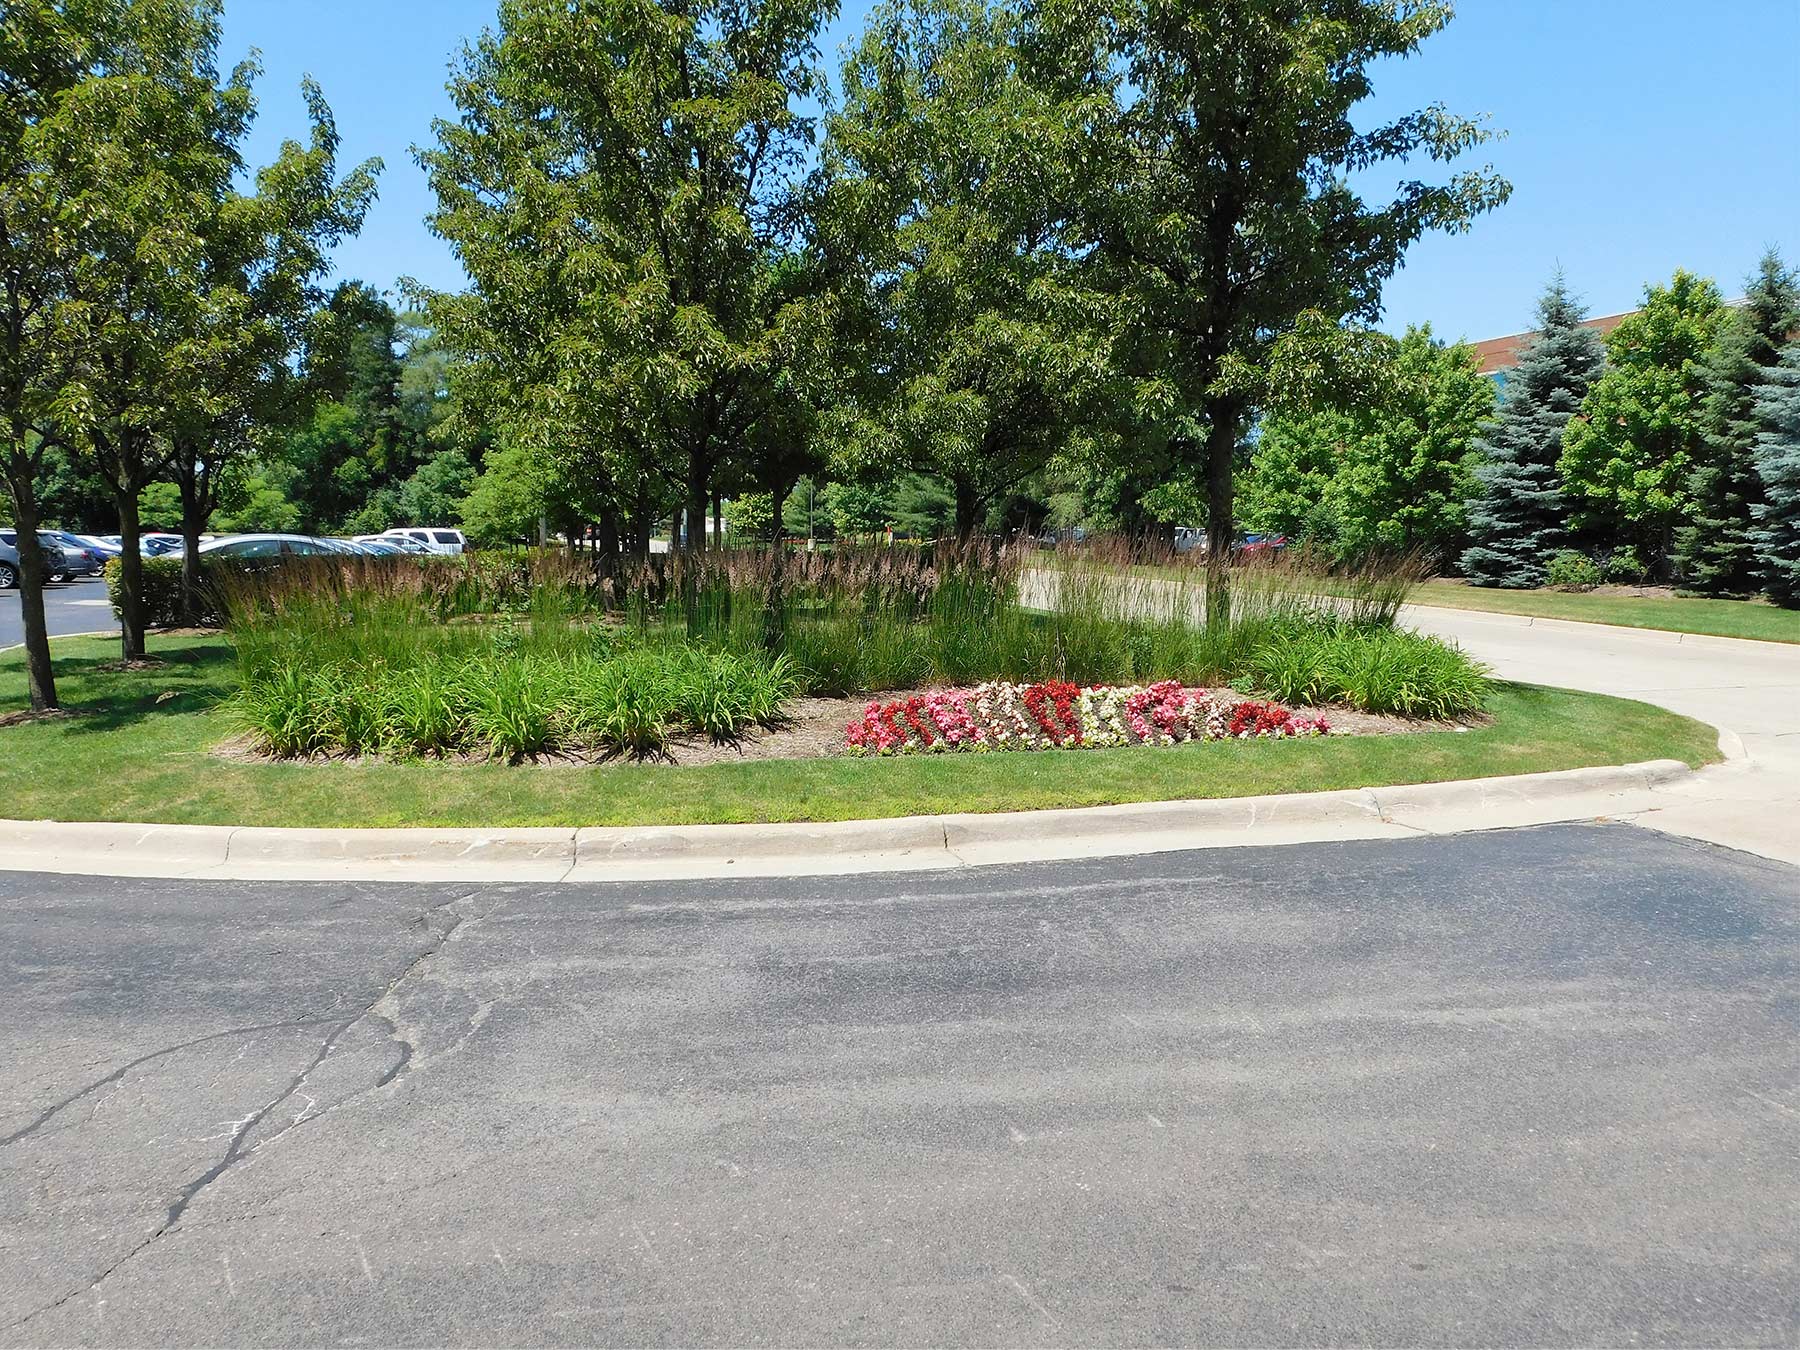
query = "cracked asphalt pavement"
{"x": 1538, "y": 1087}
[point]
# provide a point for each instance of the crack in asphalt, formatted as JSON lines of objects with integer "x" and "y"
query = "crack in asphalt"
{"x": 50, "y": 1113}
{"x": 235, "y": 1151}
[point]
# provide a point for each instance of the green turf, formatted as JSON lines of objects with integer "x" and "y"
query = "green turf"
{"x": 140, "y": 751}
{"x": 1675, "y": 613}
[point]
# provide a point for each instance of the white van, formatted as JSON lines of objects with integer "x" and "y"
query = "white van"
{"x": 436, "y": 539}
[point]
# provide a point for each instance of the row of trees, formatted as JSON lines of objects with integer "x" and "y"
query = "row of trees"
{"x": 1661, "y": 445}
{"x": 156, "y": 296}
{"x": 1105, "y": 236}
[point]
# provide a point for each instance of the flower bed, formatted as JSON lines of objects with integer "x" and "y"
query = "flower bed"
{"x": 1056, "y": 714}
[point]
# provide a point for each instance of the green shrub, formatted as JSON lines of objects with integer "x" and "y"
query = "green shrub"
{"x": 162, "y": 592}
{"x": 1377, "y": 670}
{"x": 1572, "y": 571}
{"x": 1626, "y": 566}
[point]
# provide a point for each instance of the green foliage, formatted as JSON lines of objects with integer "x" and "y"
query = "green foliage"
{"x": 858, "y": 510}
{"x": 1518, "y": 516}
{"x": 1716, "y": 552}
{"x": 750, "y": 517}
{"x": 1777, "y": 535}
{"x": 1372, "y": 669}
{"x": 161, "y": 594}
{"x": 1628, "y": 460}
{"x": 1392, "y": 475}
{"x": 575, "y": 665}
{"x": 1569, "y": 570}
{"x": 1218, "y": 181}
{"x": 1626, "y": 566}
{"x": 943, "y": 167}
{"x": 622, "y": 186}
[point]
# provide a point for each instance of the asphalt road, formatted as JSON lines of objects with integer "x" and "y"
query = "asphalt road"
{"x": 1538, "y": 1087}
{"x": 69, "y": 607}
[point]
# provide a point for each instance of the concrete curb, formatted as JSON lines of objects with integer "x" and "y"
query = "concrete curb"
{"x": 639, "y": 853}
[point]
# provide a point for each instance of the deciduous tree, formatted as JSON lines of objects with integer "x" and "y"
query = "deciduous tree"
{"x": 1627, "y": 462}
{"x": 1232, "y": 199}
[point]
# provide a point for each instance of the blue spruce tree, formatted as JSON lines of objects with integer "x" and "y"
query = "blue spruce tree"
{"x": 1777, "y": 533}
{"x": 1520, "y": 518}
{"x": 1716, "y": 552}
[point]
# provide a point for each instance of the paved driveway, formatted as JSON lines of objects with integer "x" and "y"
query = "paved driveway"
{"x": 1750, "y": 689}
{"x": 69, "y": 607}
{"x": 1527, "y": 1087}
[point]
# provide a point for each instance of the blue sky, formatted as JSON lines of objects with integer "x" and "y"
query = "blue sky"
{"x": 1642, "y": 135}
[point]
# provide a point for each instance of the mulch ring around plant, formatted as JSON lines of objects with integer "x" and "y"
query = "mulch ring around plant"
{"x": 814, "y": 729}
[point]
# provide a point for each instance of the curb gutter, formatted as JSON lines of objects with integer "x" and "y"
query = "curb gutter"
{"x": 651, "y": 853}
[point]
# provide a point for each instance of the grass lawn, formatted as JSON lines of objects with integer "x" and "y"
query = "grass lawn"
{"x": 139, "y": 751}
{"x": 1675, "y": 614}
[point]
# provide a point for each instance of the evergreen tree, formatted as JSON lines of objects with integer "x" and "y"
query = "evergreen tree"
{"x": 1716, "y": 553}
{"x": 1777, "y": 535}
{"x": 1519, "y": 517}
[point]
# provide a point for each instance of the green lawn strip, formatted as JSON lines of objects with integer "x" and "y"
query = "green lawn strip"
{"x": 140, "y": 752}
{"x": 1675, "y": 614}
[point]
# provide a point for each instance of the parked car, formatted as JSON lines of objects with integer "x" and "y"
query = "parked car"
{"x": 1256, "y": 545}
{"x": 81, "y": 558}
{"x": 269, "y": 546}
{"x": 107, "y": 544}
{"x": 64, "y": 560}
{"x": 156, "y": 544}
{"x": 376, "y": 548}
{"x": 435, "y": 538}
{"x": 399, "y": 543}
{"x": 10, "y": 569}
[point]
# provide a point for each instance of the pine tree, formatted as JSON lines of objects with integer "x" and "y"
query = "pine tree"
{"x": 1520, "y": 517}
{"x": 1716, "y": 553}
{"x": 1777, "y": 533}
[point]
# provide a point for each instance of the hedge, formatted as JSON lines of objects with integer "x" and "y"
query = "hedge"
{"x": 162, "y": 593}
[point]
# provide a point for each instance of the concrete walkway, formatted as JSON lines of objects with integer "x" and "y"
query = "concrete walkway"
{"x": 1749, "y": 690}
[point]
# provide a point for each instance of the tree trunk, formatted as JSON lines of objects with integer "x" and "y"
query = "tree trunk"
{"x": 1221, "y": 523}
{"x": 607, "y": 540}
{"x": 966, "y": 508}
{"x": 697, "y": 503}
{"x": 193, "y": 518}
{"x": 131, "y": 578}
{"x": 718, "y": 521}
{"x": 40, "y": 677}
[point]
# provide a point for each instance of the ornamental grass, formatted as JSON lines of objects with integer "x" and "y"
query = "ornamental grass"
{"x": 535, "y": 652}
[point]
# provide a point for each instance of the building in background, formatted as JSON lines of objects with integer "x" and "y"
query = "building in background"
{"x": 1501, "y": 354}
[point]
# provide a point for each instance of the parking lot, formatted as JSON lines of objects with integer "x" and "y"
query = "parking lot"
{"x": 70, "y": 607}
{"x": 1524, "y": 1087}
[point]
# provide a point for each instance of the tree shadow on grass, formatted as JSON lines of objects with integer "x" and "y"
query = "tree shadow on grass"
{"x": 186, "y": 681}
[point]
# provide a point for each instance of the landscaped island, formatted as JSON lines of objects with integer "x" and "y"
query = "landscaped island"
{"x": 529, "y": 690}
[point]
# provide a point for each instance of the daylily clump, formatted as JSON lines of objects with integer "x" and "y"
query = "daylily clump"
{"x": 1054, "y": 714}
